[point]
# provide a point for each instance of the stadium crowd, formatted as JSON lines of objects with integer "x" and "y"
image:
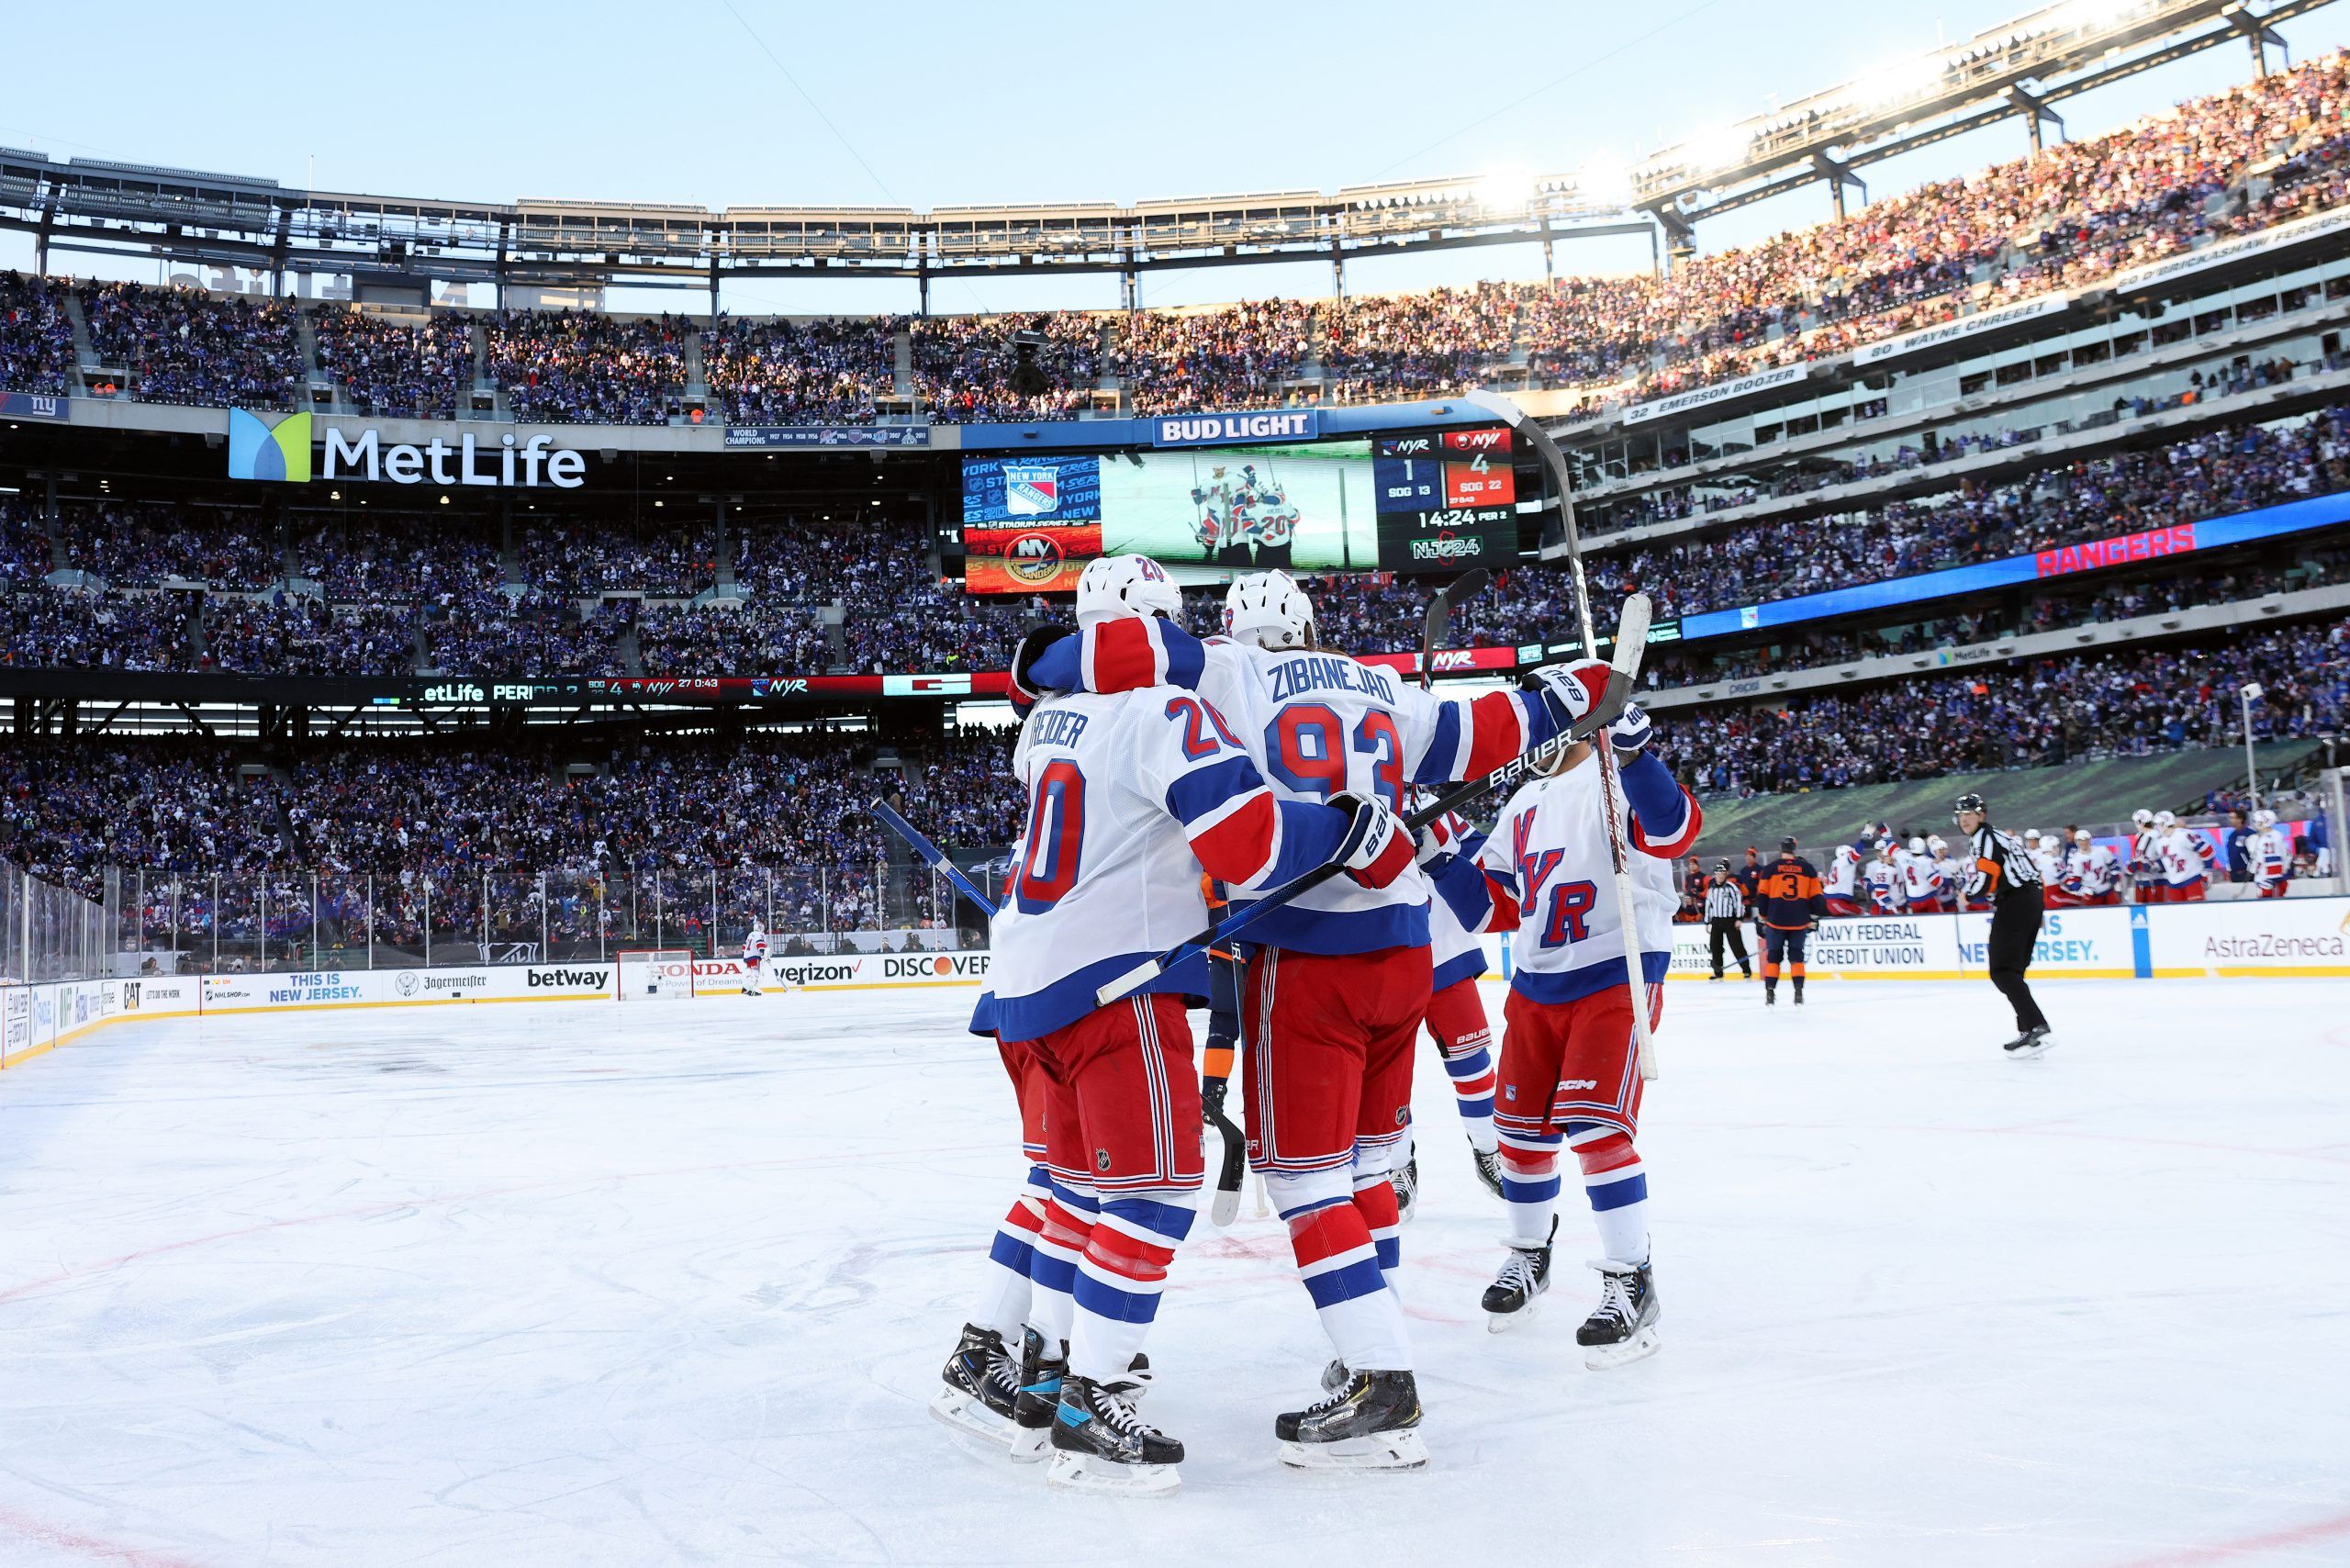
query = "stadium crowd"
{"x": 2127, "y": 701}
{"x": 2229, "y": 163}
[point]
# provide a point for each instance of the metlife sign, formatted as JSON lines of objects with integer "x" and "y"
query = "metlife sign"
{"x": 1226, "y": 429}
{"x": 511, "y": 464}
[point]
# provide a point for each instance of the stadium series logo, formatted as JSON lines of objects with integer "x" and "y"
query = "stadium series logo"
{"x": 259, "y": 450}
{"x": 1031, "y": 490}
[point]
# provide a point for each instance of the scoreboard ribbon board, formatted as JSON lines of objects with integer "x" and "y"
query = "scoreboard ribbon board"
{"x": 1446, "y": 501}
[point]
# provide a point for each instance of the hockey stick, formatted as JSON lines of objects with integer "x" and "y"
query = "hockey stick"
{"x": 1619, "y": 852}
{"x": 1225, "y": 1208}
{"x": 1631, "y": 641}
{"x": 1468, "y": 584}
{"x": 930, "y": 852}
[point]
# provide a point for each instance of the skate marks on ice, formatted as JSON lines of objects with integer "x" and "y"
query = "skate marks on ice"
{"x": 677, "y": 1290}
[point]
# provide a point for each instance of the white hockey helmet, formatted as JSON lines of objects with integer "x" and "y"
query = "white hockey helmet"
{"x": 2142, "y": 816}
{"x": 1118, "y": 586}
{"x": 1268, "y": 610}
{"x": 2030, "y": 833}
{"x": 2264, "y": 818}
{"x": 1937, "y": 843}
{"x": 1917, "y": 846}
{"x": 1884, "y": 846}
{"x": 2083, "y": 836}
{"x": 2165, "y": 819}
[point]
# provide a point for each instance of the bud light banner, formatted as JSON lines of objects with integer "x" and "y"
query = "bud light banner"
{"x": 1030, "y": 523}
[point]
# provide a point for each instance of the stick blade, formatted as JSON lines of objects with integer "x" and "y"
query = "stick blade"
{"x": 1632, "y": 634}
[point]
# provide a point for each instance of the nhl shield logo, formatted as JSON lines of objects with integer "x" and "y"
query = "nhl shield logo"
{"x": 1101, "y": 1161}
{"x": 1031, "y": 489}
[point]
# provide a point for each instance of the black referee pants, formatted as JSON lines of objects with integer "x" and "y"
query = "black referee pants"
{"x": 2015, "y": 926}
{"x": 1726, "y": 926}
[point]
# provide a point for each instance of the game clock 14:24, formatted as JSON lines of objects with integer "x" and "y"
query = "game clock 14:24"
{"x": 1446, "y": 501}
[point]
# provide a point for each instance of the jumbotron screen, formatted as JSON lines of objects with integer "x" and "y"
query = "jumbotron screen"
{"x": 1434, "y": 502}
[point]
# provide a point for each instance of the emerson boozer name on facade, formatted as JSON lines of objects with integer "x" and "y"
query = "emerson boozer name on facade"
{"x": 514, "y": 465}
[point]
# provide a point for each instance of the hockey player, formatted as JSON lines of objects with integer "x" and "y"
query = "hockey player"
{"x": 1570, "y": 1069}
{"x": 2047, "y": 854}
{"x": 1948, "y": 874}
{"x": 1128, "y": 790}
{"x": 754, "y": 957}
{"x": 1843, "y": 889}
{"x": 1921, "y": 883}
{"x": 2145, "y": 859}
{"x": 1888, "y": 889}
{"x": 2005, "y": 874}
{"x": 1335, "y": 995}
{"x": 2270, "y": 855}
{"x": 1788, "y": 910}
{"x": 2182, "y": 859}
{"x": 2090, "y": 875}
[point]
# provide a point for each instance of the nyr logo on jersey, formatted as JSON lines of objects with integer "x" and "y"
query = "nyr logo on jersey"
{"x": 1031, "y": 489}
{"x": 1533, "y": 869}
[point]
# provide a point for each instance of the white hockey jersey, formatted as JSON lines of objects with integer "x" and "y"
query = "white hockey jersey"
{"x": 2091, "y": 872}
{"x": 2147, "y": 857}
{"x": 1545, "y": 874}
{"x": 1844, "y": 873}
{"x": 1888, "y": 889}
{"x": 755, "y": 950}
{"x": 2181, "y": 859}
{"x": 2271, "y": 854}
{"x": 1130, "y": 795}
{"x": 1317, "y": 724}
{"x": 1922, "y": 882}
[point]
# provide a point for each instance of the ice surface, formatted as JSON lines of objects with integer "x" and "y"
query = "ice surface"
{"x": 572, "y": 1285}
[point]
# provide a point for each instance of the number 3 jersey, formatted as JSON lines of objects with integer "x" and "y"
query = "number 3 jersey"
{"x": 1130, "y": 796}
{"x": 1545, "y": 873}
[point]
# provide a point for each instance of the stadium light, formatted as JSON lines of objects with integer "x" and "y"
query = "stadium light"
{"x": 1719, "y": 147}
{"x": 1504, "y": 190}
{"x": 1902, "y": 79}
{"x": 1605, "y": 182}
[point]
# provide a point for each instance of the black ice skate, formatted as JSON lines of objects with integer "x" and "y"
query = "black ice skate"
{"x": 1798, "y": 993}
{"x": 1039, "y": 1397}
{"x": 1515, "y": 1295}
{"x": 2030, "y": 1043}
{"x": 1100, "y": 1444}
{"x": 1488, "y": 1168}
{"x": 1369, "y": 1422}
{"x": 981, "y": 1380}
{"x": 1623, "y": 1327}
{"x": 1770, "y": 993}
{"x": 1406, "y": 1183}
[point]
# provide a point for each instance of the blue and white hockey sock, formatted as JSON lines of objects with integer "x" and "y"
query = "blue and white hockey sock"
{"x": 1121, "y": 1275}
{"x": 1068, "y": 1228}
{"x": 1617, "y": 1185}
{"x": 1465, "y": 1041}
{"x": 1339, "y": 1263}
{"x": 1006, "y": 1289}
{"x": 1530, "y": 1185}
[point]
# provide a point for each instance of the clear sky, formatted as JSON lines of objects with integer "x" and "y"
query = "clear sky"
{"x": 714, "y": 102}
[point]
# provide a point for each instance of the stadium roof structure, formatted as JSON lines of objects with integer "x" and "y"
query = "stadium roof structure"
{"x": 2019, "y": 69}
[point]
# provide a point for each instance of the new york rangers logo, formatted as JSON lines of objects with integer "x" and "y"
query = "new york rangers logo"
{"x": 1031, "y": 489}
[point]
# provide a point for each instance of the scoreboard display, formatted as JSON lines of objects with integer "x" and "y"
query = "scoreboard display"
{"x": 1446, "y": 500}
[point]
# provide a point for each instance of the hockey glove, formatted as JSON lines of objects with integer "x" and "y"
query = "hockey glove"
{"x": 1628, "y": 736}
{"x": 1441, "y": 836}
{"x": 1377, "y": 847}
{"x": 1570, "y": 691}
{"x": 1211, "y": 1091}
{"x": 1025, "y": 692}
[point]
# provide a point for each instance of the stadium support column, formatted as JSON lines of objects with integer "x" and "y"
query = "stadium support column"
{"x": 2036, "y": 114}
{"x": 2260, "y": 35}
{"x": 1838, "y": 174}
{"x": 1337, "y": 273}
{"x": 713, "y": 289}
{"x": 1680, "y": 236}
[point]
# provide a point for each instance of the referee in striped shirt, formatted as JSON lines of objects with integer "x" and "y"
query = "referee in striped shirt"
{"x": 2005, "y": 872}
{"x": 1725, "y": 907}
